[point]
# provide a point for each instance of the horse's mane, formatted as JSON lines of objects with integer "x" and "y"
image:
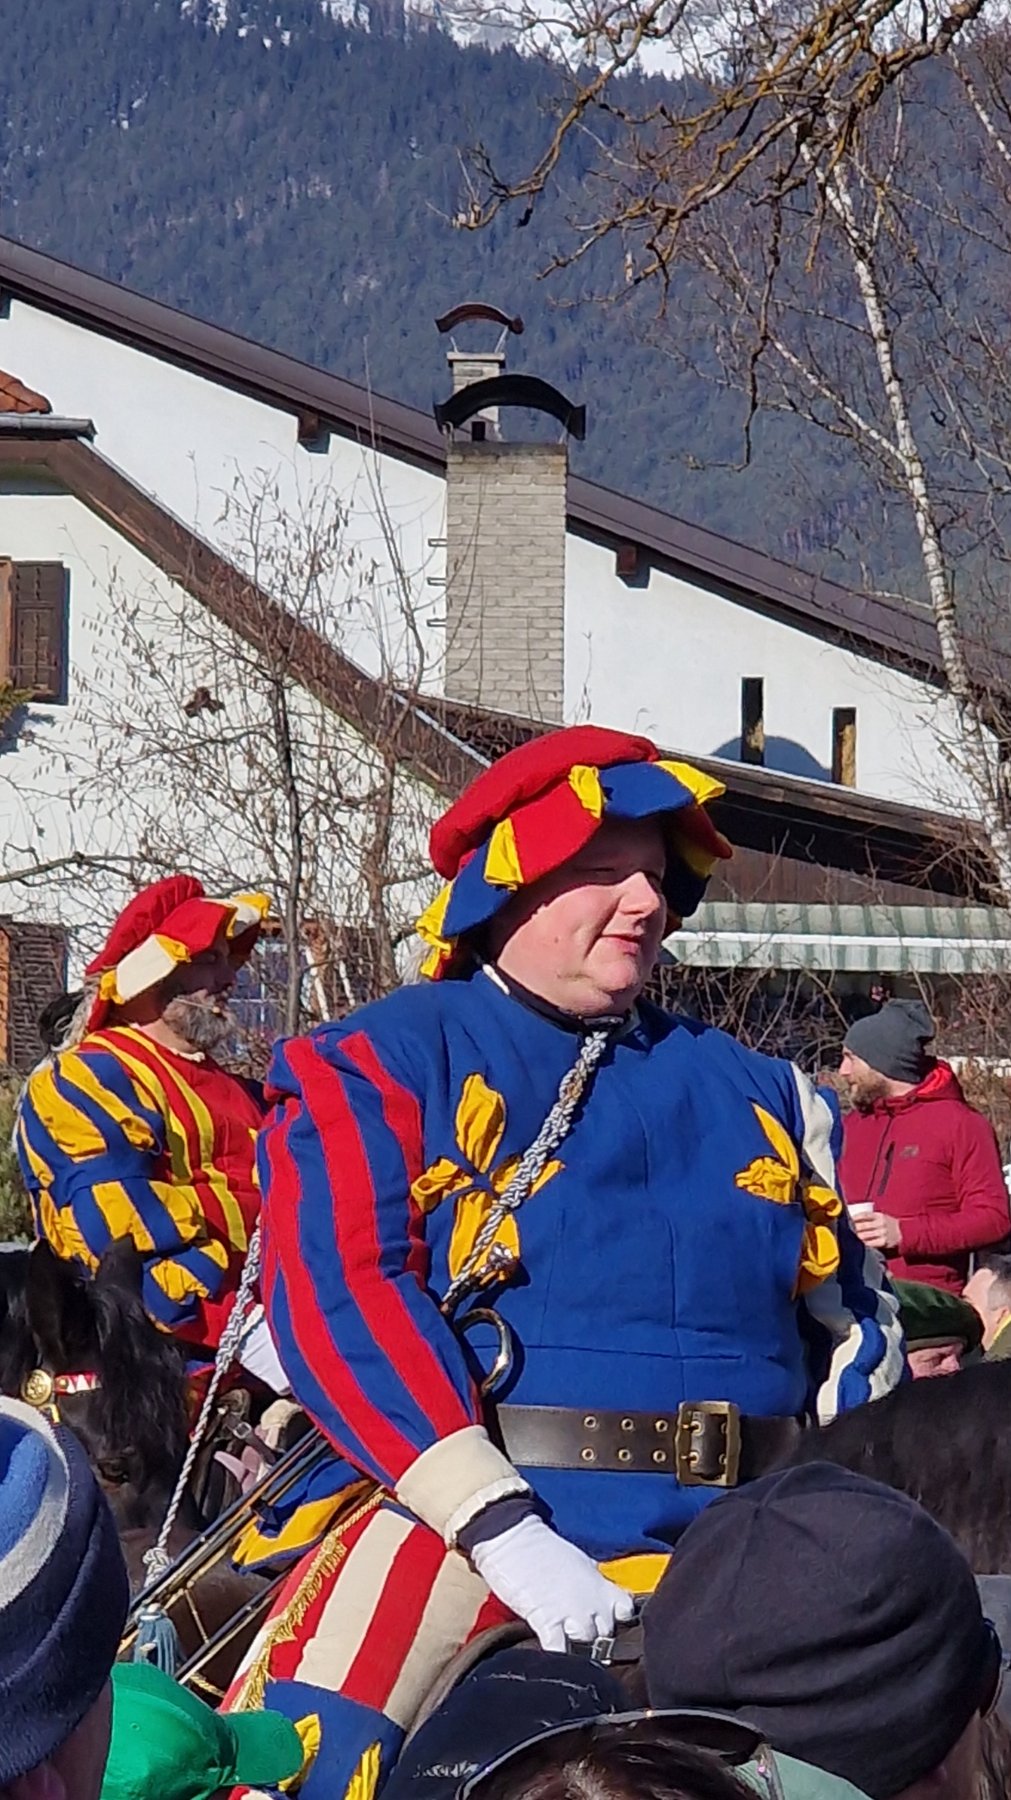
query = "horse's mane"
{"x": 17, "y": 1343}
{"x": 134, "y": 1425}
{"x": 141, "y": 1399}
{"x": 946, "y": 1442}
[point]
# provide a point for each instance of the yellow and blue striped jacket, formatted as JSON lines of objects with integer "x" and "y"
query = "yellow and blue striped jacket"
{"x": 120, "y": 1137}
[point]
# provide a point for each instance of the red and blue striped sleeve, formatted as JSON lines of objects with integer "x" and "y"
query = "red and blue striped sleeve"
{"x": 345, "y": 1263}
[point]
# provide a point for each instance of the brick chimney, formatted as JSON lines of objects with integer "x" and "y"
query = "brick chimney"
{"x": 505, "y": 538}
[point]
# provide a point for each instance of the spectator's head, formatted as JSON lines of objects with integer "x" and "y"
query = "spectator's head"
{"x": 525, "y": 1725}
{"x": 989, "y": 1291}
{"x": 632, "y": 1759}
{"x": 885, "y": 1054}
{"x": 506, "y": 1701}
{"x": 940, "y": 1329}
{"x": 836, "y": 1616}
{"x": 56, "y": 1019}
{"x": 167, "y": 1745}
{"x": 63, "y": 1603}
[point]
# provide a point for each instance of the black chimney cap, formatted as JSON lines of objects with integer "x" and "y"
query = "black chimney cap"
{"x": 511, "y": 390}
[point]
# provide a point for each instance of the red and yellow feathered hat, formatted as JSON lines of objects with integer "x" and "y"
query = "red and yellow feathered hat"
{"x": 163, "y": 926}
{"x": 541, "y": 804}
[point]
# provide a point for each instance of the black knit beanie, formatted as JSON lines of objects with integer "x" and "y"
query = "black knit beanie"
{"x": 894, "y": 1041}
{"x": 832, "y": 1613}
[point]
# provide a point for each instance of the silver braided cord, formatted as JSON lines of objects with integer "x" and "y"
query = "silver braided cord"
{"x": 555, "y": 1128}
{"x": 157, "y": 1559}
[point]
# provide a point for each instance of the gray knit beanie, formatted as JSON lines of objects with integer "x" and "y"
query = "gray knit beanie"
{"x": 894, "y": 1041}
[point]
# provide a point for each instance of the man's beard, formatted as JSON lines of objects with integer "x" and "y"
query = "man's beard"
{"x": 864, "y": 1094}
{"x": 205, "y": 1023}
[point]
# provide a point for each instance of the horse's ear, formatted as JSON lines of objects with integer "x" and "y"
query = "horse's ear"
{"x": 121, "y": 1269}
{"x": 51, "y": 1291}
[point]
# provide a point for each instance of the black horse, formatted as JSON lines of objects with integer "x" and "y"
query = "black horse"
{"x": 132, "y": 1419}
{"x": 133, "y": 1423}
{"x": 947, "y": 1442}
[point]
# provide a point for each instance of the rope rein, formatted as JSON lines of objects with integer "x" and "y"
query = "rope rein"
{"x": 532, "y": 1163}
{"x": 157, "y": 1559}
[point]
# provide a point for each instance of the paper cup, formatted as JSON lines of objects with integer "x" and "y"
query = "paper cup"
{"x": 861, "y": 1209}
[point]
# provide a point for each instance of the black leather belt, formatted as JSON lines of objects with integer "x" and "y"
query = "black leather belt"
{"x": 706, "y": 1443}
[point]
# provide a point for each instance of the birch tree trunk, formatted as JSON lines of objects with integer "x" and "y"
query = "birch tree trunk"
{"x": 977, "y": 750}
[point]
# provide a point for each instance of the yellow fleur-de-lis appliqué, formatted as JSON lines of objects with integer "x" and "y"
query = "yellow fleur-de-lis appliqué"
{"x": 310, "y": 1734}
{"x": 365, "y": 1779}
{"x": 778, "y": 1178}
{"x": 475, "y": 1181}
{"x": 772, "y": 1177}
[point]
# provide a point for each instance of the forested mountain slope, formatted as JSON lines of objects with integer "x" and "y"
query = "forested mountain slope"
{"x": 292, "y": 175}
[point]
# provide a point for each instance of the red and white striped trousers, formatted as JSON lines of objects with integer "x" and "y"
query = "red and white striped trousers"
{"x": 374, "y": 1613}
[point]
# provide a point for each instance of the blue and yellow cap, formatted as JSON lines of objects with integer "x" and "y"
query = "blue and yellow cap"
{"x": 540, "y": 804}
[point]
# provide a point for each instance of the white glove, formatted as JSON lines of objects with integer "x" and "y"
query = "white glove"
{"x": 257, "y": 1352}
{"x": 556, "y": 1588}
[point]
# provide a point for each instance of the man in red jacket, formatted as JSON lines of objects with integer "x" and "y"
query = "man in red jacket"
{"x": 920, "y": 1169}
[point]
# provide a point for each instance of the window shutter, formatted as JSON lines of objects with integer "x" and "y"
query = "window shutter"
{"x": 37, "y": 640}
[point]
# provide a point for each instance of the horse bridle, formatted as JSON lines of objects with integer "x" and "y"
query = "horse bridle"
{"x": 44, "y": 1390}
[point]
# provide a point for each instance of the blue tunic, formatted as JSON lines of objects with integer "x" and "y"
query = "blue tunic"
{"x": 684, "y": 1243}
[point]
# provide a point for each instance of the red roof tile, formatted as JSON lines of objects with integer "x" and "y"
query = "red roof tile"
{"x": 16, "y": 398}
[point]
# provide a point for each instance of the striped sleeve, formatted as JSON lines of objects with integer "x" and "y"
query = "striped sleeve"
{"x": 90, "y": 1142}
{"x": 345, "y": 1269}
{"x": 854, "y": 1307}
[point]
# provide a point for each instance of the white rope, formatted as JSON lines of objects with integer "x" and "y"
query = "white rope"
{"x": 556, "y": 1126}
{"x": 157, "y": 1559}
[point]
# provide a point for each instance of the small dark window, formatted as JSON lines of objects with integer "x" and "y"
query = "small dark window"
{"x": 753, "y": 719}
{"x": 34, "y": 628}
{"x": 844, "y": 745}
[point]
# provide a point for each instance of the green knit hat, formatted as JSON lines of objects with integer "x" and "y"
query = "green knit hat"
{"x": 167, "y": 1743}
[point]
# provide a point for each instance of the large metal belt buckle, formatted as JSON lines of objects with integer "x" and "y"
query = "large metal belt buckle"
{"x": 38, "y": 1389}
{"x": 707, "y": 1443}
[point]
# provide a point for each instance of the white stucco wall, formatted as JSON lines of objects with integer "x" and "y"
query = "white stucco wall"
{"x": 214, "y": 458}
{"x": 121, "y": 779}
{"x": 667, "y": 659}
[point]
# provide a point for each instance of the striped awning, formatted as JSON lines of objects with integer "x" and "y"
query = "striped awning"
{"x": 883, "y": 940}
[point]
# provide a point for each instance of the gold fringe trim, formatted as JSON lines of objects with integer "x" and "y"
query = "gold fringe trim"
{"x": 326, "y": 1562}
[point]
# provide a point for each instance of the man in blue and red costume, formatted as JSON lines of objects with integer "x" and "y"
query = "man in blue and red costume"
{"x": 648, "y": 1207}
{"x": 135, "y": 1130}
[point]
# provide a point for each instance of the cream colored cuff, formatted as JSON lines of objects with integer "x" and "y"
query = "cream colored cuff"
{"x": 455, "y": 1479}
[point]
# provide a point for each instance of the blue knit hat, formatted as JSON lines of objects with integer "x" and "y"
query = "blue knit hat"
{"x": 63, "y": 1589}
